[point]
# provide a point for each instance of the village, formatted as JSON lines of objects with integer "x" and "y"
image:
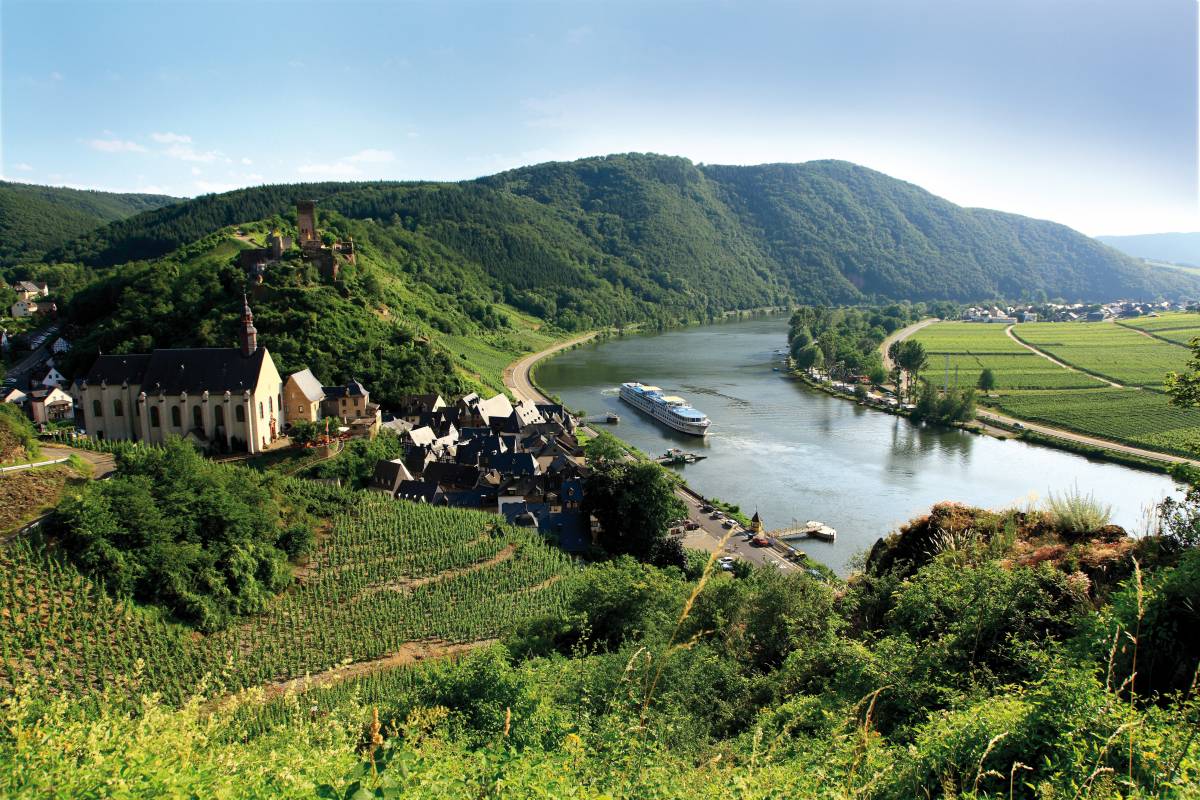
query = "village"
{"x": 1070, "y": 312}
{"x": 521, "y": 461}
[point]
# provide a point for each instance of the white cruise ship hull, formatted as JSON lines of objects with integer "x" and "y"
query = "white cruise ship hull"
{"x": 662, "y": 413}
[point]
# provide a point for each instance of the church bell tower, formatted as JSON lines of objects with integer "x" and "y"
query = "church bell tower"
{"x": 249, "y": 332}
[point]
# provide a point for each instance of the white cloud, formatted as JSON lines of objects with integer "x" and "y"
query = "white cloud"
{"x": 171, "y": 138}
{"x": 206, "y": 187}
{"x": 56, "y": 76}
{"x": 197, "y": 171}
{"x": 23, "y": 167}
{"x": 116, "y": 146}
{"x": 246, "y": 161}
{"x": 371, "y": 156}
{"x": 337, "y": 169}
{"x": 185, "y": 152}
{"x": 348, "y": 166}
{"x": 577, "y": 35}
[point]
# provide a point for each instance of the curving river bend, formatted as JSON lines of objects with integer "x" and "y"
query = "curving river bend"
{"x": 797, "y": 454}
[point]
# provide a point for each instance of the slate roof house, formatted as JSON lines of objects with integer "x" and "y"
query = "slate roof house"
{"x": 224, "y": 398}
{"x": 389, "y": 475}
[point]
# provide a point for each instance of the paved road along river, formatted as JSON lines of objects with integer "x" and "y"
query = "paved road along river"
{"x": 797, "y": 454}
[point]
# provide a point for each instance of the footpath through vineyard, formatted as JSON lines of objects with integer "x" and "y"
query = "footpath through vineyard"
{"x": 391, "y": 581}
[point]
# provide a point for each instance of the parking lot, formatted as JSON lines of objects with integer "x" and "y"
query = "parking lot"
{"x": 710, "y": 533}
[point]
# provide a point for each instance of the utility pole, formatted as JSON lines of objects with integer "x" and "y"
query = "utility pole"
{"x": 946, "y": 378}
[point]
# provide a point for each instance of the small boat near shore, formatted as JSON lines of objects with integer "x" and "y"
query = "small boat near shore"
{"x": 811, "y": 529}
{"x": 819, "y": 530}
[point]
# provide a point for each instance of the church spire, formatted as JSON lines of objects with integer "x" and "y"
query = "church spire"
{"x": 249, "y": 333}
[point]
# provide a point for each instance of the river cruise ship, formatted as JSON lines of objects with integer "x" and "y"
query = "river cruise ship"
{"x": 674, "y": 412}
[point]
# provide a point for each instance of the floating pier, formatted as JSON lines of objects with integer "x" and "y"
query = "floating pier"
{"x": 677, "y": 456}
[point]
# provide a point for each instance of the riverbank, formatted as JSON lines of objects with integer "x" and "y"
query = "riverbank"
{"x": 1051, "y": 436}
{"x": 998, "y": 426}
{"x": 793, "y": 454}
{"x": 709, "y": 534}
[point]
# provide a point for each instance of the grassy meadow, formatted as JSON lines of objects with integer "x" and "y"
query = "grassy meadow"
{"x": 1136, "y": 354}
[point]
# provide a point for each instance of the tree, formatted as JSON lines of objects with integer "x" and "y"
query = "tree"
{"x": 605, "y": 447}
{"x": 800, "y": 339}
{"x": 1184, "y": 388}
{"x": 912, "y": 358}
{"x": 635, "y": 503}
{"x": 987, "y": 380}
{"x": 810, "y": 357}
{"x": 207, "y": 542}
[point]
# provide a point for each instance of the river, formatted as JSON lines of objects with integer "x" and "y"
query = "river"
{"x": 795, "y": 454}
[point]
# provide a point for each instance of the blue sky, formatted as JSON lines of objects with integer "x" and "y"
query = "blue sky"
{"x": 1081, "y": 111}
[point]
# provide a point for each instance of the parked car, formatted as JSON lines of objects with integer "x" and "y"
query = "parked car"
{"x": 705, "y": 509}
{"x": 729, "y": 523}
{"x": 715, "y": 515}
{"x": 692, "y": 525}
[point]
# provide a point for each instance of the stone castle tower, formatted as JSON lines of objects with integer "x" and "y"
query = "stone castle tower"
{"x": 306, "y": 221}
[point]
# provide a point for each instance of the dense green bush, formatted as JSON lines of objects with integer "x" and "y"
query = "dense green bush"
{"x": 17, "y": 434}
{"x": 172, "y": 528}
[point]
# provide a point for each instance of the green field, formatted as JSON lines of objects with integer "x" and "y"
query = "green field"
{"x": 1115, "y": 352}
{"x": 1133, "y": 416}
{"x": 973, "y": 347}
{"x": 1034, "y": 388}
{"x": 386, "y": 574}
{"x": 1179, "y": 327}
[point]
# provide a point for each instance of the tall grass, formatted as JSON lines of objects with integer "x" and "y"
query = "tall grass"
{"x": 1076, "y": 512}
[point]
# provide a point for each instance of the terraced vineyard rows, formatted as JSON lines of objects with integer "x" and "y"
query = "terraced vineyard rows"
{"x": 1031, "y": 387}
{"x": 388, "y": 573}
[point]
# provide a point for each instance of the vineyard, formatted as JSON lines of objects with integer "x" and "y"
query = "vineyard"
{"x": 1115, "y": 352}
{"x": 1180, "y": 327}
{"x": 385, "y": 574}
{"x": 1031, "y": 387}
{"x": 1132, "y": 416}
{"x": 965, "y": 349}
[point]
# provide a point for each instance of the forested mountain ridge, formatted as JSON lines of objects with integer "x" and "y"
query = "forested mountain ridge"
{"x": 34, "y": 219}
{"x": 454, "y": 280}
{"x": 665, "y": 232}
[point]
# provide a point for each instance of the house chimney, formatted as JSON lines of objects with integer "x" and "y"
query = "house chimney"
{"x": 249, "y": 334}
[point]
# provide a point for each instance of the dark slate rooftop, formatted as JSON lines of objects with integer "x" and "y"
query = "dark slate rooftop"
{"x": 351, "y": 389}
{"x": 195, "y": 369}
{"x": 119, "y": 369}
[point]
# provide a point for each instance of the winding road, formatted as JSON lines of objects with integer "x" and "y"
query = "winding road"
{"x": 517, "y": 375}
